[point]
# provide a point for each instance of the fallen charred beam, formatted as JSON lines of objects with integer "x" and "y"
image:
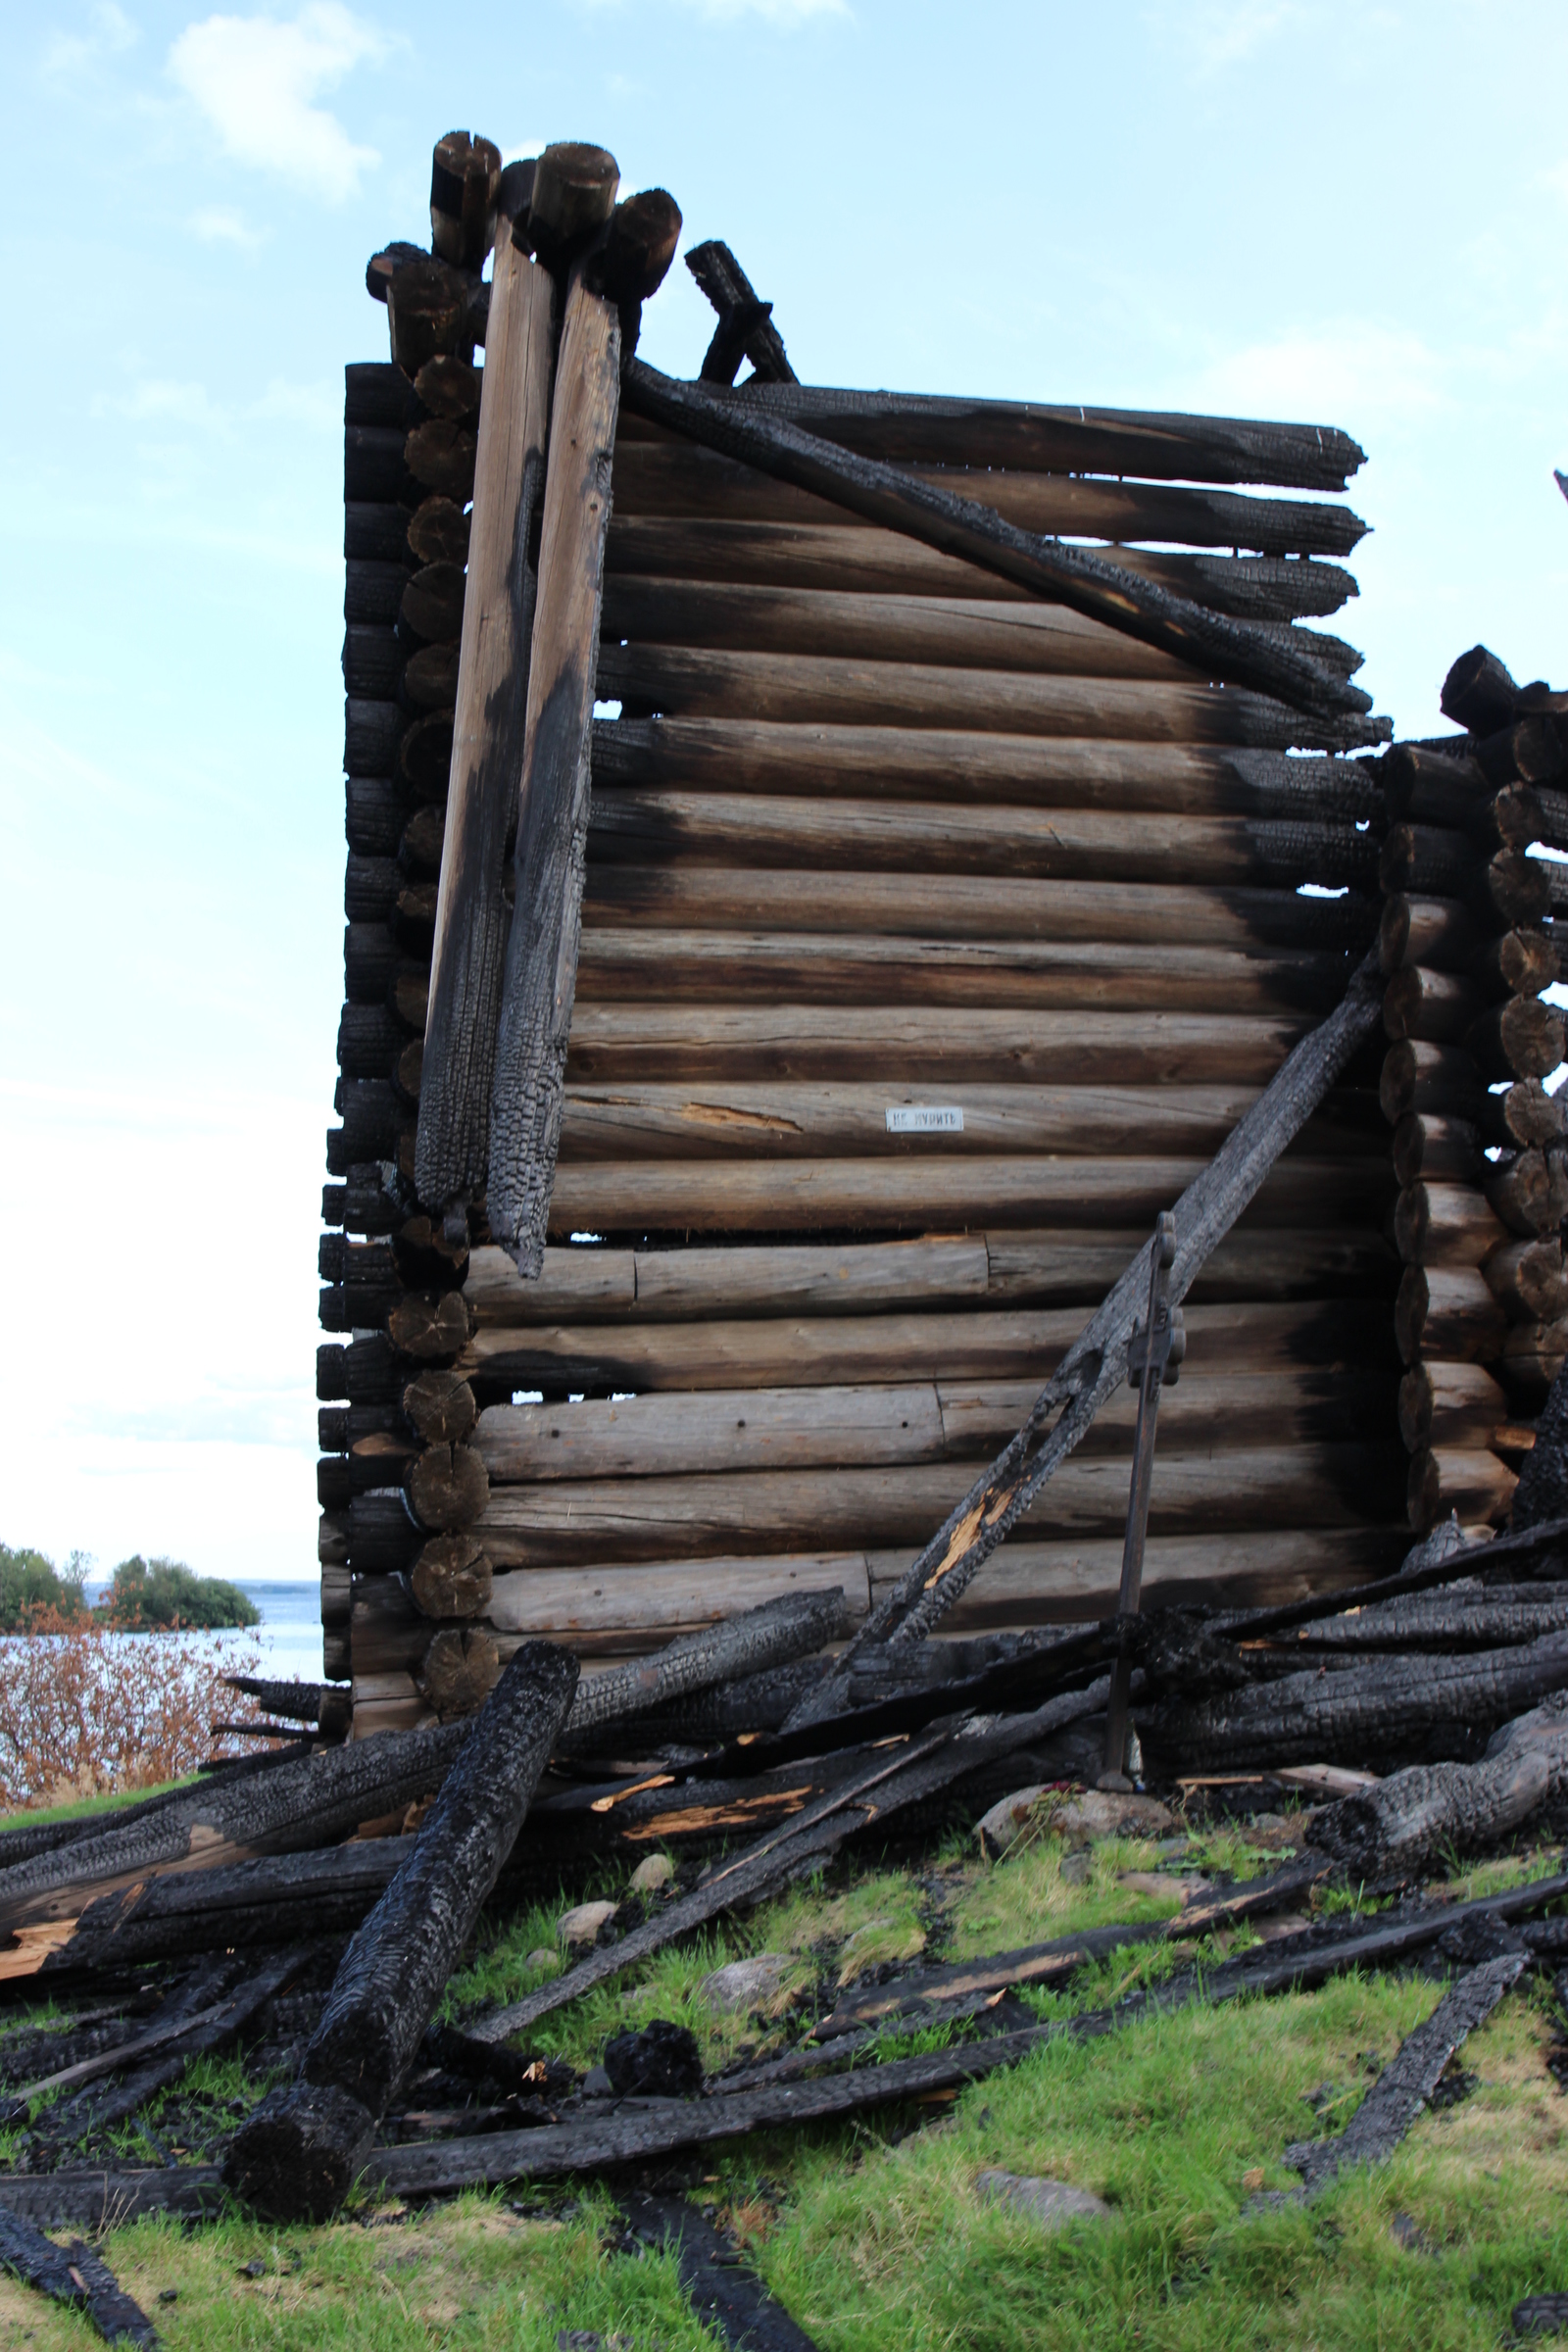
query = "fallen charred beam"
{"x": 1396, "y": 1827}
{"x": 756, "y": 1642}
{"x": 28, "y": 1840}
{"x": 903, "y": 502}
{"x": 1441, "y": 1558}
{"x": 1407, "y": 2082}
{"x": 885, "y": 1787}
{"x": 724, "y": 2294}
{"x": 296, "y": 2156}
{"x": 74, "y": 2275}
{"x": 1469, "y": 1618}
{"x": 104, "y": 2200}
{"x": 1436, "y": 1707}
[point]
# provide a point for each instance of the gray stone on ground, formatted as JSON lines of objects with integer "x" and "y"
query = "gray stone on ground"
{"x": 582, "y": 1925}
{"x": 653, "y": 1873}
{"x": 1007, "y": 1819}
{"x": 542, "y": 1957}
{"x": 1101, "y": 1813}
{"x": 1051, "y": 2203}
{"x": 746, "y": 1984}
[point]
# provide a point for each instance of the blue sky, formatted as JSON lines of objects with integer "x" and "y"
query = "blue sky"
{"x": 1348, "y": 214}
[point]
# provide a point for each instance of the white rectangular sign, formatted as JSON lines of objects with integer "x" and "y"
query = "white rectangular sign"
{"x": 925, "y": 1118}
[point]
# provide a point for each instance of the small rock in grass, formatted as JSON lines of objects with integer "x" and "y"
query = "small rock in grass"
{"x": 583, "y": 1923}
{"x": 1051, "y": 2203}
{"x": 1076, "y": 1868}
{"x": 542, "y": 1957}
{"x": 746, "y": 1984}
{"x": 1007, "y": 1819}
{"x": 596, "y": 2084}
{"x": 651, "y": 1873}
{"x": 1154, "y": 1882}
{"x": 578, "y": 2340}
{"x": 169, "y": 2294}
{"x": 1407, "y": 2232}
{"x": 1101, "y": 1813}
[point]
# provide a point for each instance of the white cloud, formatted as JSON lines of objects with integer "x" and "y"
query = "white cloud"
{"x": 254, "y": 78}
{"x": 523, "y": 150}
{"x": 1339, "y": 373}
{"x": 109, "y": 31}
{"x": 219, "y": 226}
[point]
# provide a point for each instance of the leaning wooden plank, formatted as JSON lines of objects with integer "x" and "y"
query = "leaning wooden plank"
{"x": 72, "y": 2274}
{"x": 452, "y": 1152}
{"x": 887, "y": 1784}
{"x": 1401, "y": 2092}
{"x": 552, "y": 796}
{"x": 296, "y": 2156}
{"x": 1097, "y": 1362}
{"x": 959, "y": 526}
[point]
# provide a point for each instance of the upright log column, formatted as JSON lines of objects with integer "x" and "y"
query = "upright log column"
{"x": 553, "y": 801}
{"x": 1483, "y": 1309}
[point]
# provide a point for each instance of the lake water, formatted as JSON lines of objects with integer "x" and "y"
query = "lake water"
{"x": 289, "y": 1636}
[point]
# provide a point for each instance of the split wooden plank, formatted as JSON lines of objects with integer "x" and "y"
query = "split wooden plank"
{"x": 552, "y": 798}
{"x": 452, "y": 1153}
{"x": 1216, "y": 647}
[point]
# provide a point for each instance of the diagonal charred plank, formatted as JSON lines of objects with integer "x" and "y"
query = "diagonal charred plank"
{"x": 745, "y": 328}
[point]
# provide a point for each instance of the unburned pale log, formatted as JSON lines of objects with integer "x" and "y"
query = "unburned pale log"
{"x": 498, "y": 610}
{"x": 1445, "y": 1225}
{"x": 536, "y": 1015}
{"x": 295, "y": 2157}
{"x": 1449, "y": 1313}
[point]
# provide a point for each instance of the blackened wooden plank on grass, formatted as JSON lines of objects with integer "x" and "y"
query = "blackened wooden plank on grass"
{"x": 724, "y": 2292}
{"x": 296, "y": 2156}
{"x": 72, "y": 2274}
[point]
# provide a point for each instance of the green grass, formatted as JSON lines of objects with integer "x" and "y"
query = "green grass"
{"x": 874, "y": 2235}
{"x": 29, "y": 1817}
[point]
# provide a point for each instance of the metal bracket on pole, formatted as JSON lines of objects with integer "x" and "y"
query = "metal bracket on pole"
{"x": 1154, "y": 1361}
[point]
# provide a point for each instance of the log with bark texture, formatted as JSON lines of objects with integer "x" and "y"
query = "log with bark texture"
{"x": 1445, "y": 1225}
{"x": 1423, "y": 1003}
{"x": 1448, "y": 1312}
{"x": 536, "y": 1015}
{"x": 25, "y": 1840}
{"x": 1530, "y": 1280}
{"x": 628, "y": 965}
{"x": 1097, "y": 768}
{"x": 793, "y": 689}
{"x": 1520, "y": 1038}
{"x": 753, "y": 1643}
{"x": 72, "y": 2274}
{"x": 1418, "y": 1076}
{"x": 1407, "y": 2084}
{"x": 779, "y": 1352}
{"x": 959, "y": 526}
{"x": 1530, "y": 1193}
{"x": 1471, "y": 1480}
{"x": 1444, "y": 1556}
{"x": 910, "y": 836}
{"x": 1542, "y": 1493}
{"x": 304, "y": 1801}
{"x": 1095, "y": 1364}
{"x": 1442, "y": 1150}
{"x": 498, "y": 610}
{"x": 1363, "y": 1713}
{"x": 296, "y": 2156}
{"x": 1467, "y": 1615}
{"x": 890, "y": 1781}
{"x": 1448, "y": 1404}
{"x": 916, "y": 427}
{"x": 301, "y": 1702}
{"x": 670, "y": 476}
{"x": 1271, "y": 590}
{"x": 993, "y": 907}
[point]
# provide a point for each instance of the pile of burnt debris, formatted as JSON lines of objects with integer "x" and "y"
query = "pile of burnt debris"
{"x": 1430, "y": 1710}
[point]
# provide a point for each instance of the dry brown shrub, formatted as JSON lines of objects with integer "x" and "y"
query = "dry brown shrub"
{"x": 84, "y": 1710}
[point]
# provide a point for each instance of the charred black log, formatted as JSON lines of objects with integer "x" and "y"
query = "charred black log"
{"x": 1542, "y": 1493}
{"x": 75, "y": 2276}
{"x": 1394, "y": 1827}
{"x": 297, "y": 2155}
{"x": 756, "y": 1642}
{"x": 1466, "y": 1616}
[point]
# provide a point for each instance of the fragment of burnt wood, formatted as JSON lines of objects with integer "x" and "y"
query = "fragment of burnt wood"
{"x": 465, "y": 174}
{"x": 745, "y": 329}
{"x": 903, "y": 502}
{"x": 301, "y": 1801}
{"x": 1440, "y": 1558}
{"x": 205, "y": 2037}
{"x": 886, "y": 1786}
{"x": 26, "y": 1844}
{"x": 1095, "y": 1364}
{"x": 1471, "y": 1618}
{"x": 98, "y": 2199}
{"x": 72, "y": 2274}
{"x": 296, "y": 2156}
{"x": 755, "y": 1642}
{"x": 628, "y": 2131}
{"x": 1479, "y": 693}
{"x": 452, "y": 1149}
{"x": 1542, "y": 1495}
{"x": 1434, "y": 1707}
{"x": 1397, "y": 1827}
{"x": 1154, "y": 1361}
{"x": 301, "y": 1702}
{"x": 541, "y": 967}
{"x": 629, "y": 260}
{"x": 725, "y": 2293}
{"x": 1407, "y": 2084}
{"x": 572, "y": 196}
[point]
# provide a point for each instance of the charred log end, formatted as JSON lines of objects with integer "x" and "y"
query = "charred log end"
{"x": 296, "y": 2157}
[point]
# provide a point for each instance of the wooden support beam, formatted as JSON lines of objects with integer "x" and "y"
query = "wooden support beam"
{"x": 452, "y": 1153}
{"x": 745, "y": 328}
{"x": 552, "y": 799}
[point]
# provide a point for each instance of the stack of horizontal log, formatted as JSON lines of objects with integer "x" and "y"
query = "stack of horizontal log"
{"x": 1467, "y": 940}
{"x": 393, "y": 1423}
{"x": 933, "y": 937}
